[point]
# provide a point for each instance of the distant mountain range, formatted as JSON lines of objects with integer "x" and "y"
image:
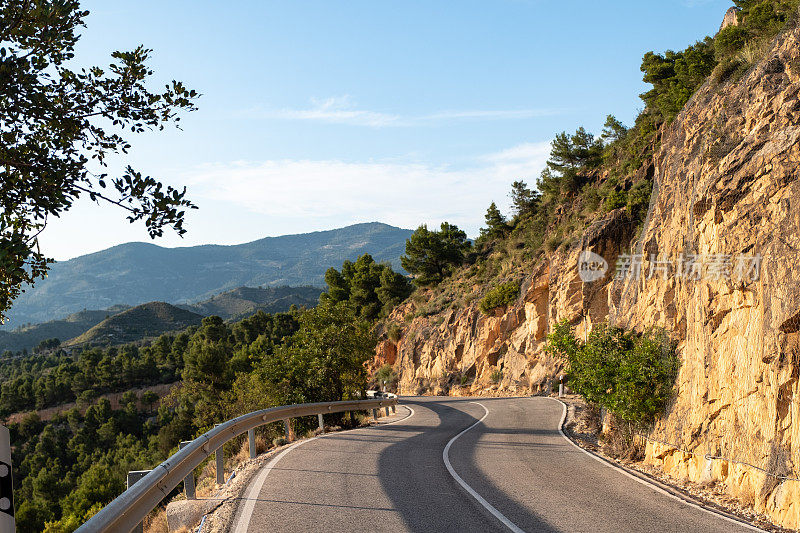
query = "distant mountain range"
{"x": 137, "y": 273}
{"x": 28, "y": 337}
{"x": 121, "y": 324}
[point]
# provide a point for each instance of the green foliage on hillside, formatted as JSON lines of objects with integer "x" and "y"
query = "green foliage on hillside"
{"x": 496, "y": 225}
{"x": 499, "y": 296}
{"x": 28, "y": 336}
{"x": 675, "y": 76}
{"x": 631, "y": 375}
{"x": 373, "y": 289}
{"x": 737, "y": 48}
{"x": 72, "y": 465}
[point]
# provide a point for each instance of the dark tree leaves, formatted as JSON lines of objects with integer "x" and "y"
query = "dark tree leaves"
{"x": 59, "y": 125}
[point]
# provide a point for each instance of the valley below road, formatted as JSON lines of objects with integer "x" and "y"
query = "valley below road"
{"x": 459, "y": 464}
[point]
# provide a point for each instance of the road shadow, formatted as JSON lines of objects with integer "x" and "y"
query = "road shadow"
{"x": 414, "y": 477}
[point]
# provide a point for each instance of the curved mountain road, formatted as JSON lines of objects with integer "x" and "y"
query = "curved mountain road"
{"x": 459, "y": 464}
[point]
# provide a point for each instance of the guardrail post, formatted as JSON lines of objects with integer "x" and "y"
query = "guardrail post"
{"x": 321, "y": 422}
{"x": 188, "y": 481}
{"x": 560, "y": 386}
{"x": 386, "y": 410}
{"x": 251, "y": 442}
{"x": 287, "y": 429}
{"x": 133, "y": 477}
{"x": 374, "y": 414}
{"x": 219, "y": 459}
{"x": 7, "y": 522}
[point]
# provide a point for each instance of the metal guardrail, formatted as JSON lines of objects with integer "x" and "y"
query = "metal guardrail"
{"x": 128, "y": 509}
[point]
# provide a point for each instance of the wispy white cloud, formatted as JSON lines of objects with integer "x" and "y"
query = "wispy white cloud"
{"x": 319, "y": 193}
{"x": 336, "y": 110}
{"x": 341, "y": 110}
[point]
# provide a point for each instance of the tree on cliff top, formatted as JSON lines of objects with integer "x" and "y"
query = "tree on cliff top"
{"x": 373, "y": 289}
{"x": 432, "y": 255}
{"x": 58, "y": 127}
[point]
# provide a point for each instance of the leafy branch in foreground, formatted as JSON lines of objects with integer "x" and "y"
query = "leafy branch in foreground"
{"x": 58, "y": 127}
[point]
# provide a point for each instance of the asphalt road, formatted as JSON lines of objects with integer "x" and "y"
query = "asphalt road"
{"x": 516, "y": 472}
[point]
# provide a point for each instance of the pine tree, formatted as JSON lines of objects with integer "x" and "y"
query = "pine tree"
{"x": 432, "y": 255}
{"x": 496, "y": 225}
{"x": 523, "y": 200}
{"x": 394, "y": 288}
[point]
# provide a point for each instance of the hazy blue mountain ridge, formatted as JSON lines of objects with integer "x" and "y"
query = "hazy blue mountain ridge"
{"x": 137, "y": 273}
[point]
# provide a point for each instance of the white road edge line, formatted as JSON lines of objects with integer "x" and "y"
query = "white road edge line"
{"x": 243, "y": 523}
{"x": 488, "y": 506}
{"x": 643, "y": 481}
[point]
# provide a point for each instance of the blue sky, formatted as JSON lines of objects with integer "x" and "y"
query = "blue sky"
{"x": 316, "y": 115}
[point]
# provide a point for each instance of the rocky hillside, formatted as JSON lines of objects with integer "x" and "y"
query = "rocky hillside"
{"x": 727, "y": 189}
{"x": 714, "y": 263}
{"x": 135, "y": 273}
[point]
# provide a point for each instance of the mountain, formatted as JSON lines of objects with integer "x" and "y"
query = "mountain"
{"x": 28, "y": 337}
{"x": 244, "y": 301}
{"x": 136, "y": 273}
{"x": 147, "y": 320}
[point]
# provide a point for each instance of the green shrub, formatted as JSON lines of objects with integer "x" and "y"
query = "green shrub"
{"x": 552, "y": 243}
{"x": 499, "y": 296}
{"x": 615, "y": 200}
{"x": 729, "y": 41}
{"x": 394, "y": 332}
{"x": 386, "y": 376}
{"x": 632, "y": 375}
{"x": 638, "y": 201}
{"x": 496, "y": 376}
{"x": 464, "y": 380}
{"x": 727, "y": 69}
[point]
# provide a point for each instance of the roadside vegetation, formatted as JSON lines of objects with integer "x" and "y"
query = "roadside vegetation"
{"x": 632, "y": 375}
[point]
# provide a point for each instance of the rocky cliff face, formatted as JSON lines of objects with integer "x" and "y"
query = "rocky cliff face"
{"x": 726, "y": 196}
{"x": 727, "y": 192}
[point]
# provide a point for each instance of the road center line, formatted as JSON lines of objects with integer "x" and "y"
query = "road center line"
{"x": 243, "y": 523}
{"x": 488, "y": 506}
